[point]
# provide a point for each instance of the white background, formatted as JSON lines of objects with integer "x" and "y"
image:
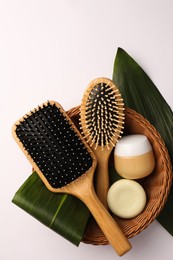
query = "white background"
{"x": 52, "y": 50}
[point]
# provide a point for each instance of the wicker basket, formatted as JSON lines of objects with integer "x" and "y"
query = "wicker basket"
{"x": 157, "y": 185}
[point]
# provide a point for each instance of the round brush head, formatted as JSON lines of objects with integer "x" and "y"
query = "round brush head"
{"x": 102, "y": 113}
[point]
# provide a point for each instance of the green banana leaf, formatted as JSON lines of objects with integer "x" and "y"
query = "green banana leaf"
{"x": 64, "y": 214}
{"x": 140, "y": 94}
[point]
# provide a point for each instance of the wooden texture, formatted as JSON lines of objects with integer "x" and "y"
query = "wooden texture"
{"x": 83, "y": 189}
{"x": 102, "y": 174}
{"x": 102, "y": 152}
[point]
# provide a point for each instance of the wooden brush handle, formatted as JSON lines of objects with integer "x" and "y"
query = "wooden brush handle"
{"x": 111, "y": 230}
{"x": 102, "y": 180}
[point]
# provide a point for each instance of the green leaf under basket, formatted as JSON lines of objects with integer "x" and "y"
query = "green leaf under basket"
{"x": 64, "y": 214}
{"x": 140, "y": 94}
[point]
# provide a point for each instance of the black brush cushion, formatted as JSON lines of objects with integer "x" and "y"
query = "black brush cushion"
{"x": 54, "y": 146}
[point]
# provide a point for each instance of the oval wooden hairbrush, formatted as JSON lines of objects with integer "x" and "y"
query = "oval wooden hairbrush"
{"x": 102, "y": 120}
{"x": 65, "y": 163}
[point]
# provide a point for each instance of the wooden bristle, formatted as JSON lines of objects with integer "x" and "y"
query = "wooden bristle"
{"x": 102, "y": 111}
{"x": 48, "y": 137}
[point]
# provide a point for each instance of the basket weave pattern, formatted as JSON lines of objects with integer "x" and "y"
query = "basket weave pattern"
{"x": 157, "y": 185}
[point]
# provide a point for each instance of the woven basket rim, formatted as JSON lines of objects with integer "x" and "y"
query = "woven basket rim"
{"x": 99, "y": 238}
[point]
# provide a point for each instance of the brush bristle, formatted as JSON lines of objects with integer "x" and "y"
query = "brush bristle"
{"x": 102, "y": 114}
{"x": 48, "y": 137}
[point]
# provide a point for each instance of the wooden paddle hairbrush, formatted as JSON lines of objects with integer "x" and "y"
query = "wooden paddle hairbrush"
{"x": 65, "y": 163}
{"x": 102, "y": 120}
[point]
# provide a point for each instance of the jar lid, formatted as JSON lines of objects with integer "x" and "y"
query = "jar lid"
{"x": 132, "y": 145}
